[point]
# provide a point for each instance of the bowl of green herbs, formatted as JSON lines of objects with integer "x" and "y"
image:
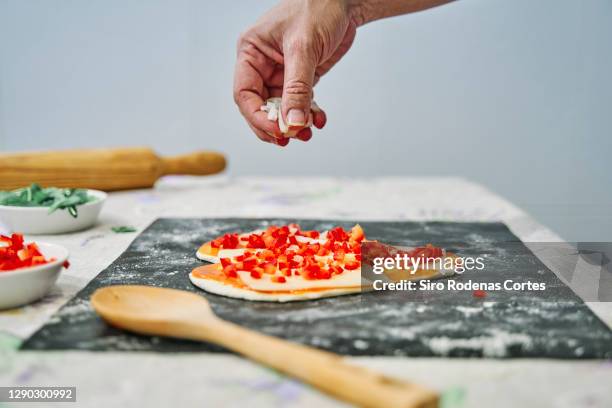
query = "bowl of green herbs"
{"x": 51, "y": 210}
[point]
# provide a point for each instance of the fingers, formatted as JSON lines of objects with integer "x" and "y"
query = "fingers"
{"x": 249, "y": 92}
{"x": 299, "y": 74}
{"x": 279, "y": 141}
{"x": 304, "y": 135}
{"x": 319, "y": 118}
{"x": 258, "y": 78}
{"x": 250, "y": 105}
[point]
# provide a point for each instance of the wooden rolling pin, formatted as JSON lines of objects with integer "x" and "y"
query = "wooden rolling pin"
{"x": 101, "y": 169}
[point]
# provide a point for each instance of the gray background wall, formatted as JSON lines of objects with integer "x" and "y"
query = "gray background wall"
{"x": 516, "y": 93}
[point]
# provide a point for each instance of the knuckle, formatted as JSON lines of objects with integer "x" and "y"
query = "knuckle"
{"x": 237, "y": 97}
{"x": 297, "y": 87}
{"x": 245, "y": 38}
{"x": 300, "y": 44}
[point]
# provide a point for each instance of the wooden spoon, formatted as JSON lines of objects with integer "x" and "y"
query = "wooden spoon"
{"x": 175, "y": 313}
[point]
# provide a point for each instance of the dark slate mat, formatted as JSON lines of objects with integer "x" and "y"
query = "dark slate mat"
{"x": 454, "y": 324}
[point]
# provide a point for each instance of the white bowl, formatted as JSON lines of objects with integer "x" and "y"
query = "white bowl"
{"x": 37, "y": 220}
{"x": 22, "y": 286}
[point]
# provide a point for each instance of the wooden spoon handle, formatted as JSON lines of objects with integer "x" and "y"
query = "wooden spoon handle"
{"x": 326, "y": 371}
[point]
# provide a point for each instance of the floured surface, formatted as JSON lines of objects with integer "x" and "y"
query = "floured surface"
{"x": 376, "y": 323}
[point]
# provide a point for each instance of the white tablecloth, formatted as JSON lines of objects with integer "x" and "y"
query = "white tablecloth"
{"x": 146, "y": 379}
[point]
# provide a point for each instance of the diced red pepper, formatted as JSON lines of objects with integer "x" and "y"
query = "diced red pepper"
{"x": 14, "y": 254}
{"x": 230, "y": 271}
{"x": 249, "y": 264}
{"x": 230, "y": 241}
{"x": 279, "y": 279}
{"x": 479, "y": 293}
{"x": 256, "y": 241}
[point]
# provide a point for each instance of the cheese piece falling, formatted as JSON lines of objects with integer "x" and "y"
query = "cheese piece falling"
{"x": 273, "y": 108}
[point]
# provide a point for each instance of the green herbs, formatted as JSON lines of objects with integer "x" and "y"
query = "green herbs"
{"x": 123, "y": 229}
{"x": 54, "y": 198}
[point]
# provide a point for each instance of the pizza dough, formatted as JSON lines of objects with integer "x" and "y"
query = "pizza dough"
{"x": 283, "y": 264}
{"x": 224, "y": 288}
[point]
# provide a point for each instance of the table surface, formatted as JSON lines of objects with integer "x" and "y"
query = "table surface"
{"x": 107, "y": 379}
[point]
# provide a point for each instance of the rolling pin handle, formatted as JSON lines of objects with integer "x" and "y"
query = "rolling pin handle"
{"x": 196, "y": 164}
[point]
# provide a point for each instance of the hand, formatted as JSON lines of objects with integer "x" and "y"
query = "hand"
{"x": 284, "y": 54}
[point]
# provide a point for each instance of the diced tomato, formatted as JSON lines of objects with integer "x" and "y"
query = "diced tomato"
{"x": 337, "y": 234}
{"x": 249, "y": 264}
{"x": 335, "y": 269}
{"x": 339, "y": 255}
{"x": 265, "y": 254}
{"x": 324, "y": 274}
{"x": 269, "y": 268}
{"x": 357, "y": 233}
{"x": 230, "y": 271}
{"x": 17, "y": 241}
{"x": 279, "y": 241}
{"x": 268, "y": 240}
{"x": 311, "y": 234}
{"x": 312, "y": 271}
{"x": 256, "y": 241}
{"x": 279, "y": 279}
{"x": 38, "y": 260}
{"x": 14, "y": 254}
{"x": 314, "y": 260}
{"x": 479, "y": 293}
{"x": 230, "y": 241}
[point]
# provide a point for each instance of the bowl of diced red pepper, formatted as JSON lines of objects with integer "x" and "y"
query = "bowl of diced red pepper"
{"x": 28, "y": 270}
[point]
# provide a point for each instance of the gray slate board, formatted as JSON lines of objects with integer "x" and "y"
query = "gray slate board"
{"x": 377, "y": 323}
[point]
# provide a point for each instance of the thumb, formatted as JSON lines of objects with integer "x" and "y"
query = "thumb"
{"x": 299, "y": 76}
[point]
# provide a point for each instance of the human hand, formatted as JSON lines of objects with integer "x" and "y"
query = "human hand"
{"x": 283, "y": 55}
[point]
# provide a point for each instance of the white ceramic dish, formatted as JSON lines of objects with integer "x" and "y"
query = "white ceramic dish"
{"x": 22, "y": 286}
{"x": 37, "y": 220}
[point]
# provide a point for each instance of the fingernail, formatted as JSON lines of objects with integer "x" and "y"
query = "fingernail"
{"x": 296, "y": 117}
